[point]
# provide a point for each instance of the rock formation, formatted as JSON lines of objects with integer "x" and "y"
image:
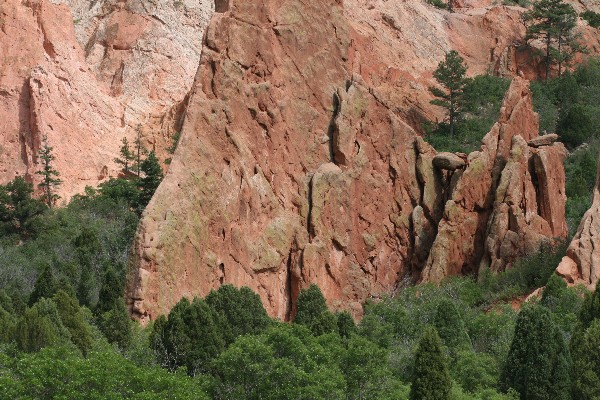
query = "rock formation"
{"x": 581, "y": 265}
{"x": 508, "y": 201}
{"x": 133, "y": 65}
{"x": 298, "y": 165}
{"x": 300, "y": 160}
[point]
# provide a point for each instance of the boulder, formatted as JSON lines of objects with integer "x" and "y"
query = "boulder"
{"x": 448, "y": 161}
{"x": 545, "y": 140}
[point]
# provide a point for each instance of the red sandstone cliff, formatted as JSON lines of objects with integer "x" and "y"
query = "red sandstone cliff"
{"x": 298, "y": 163}
{"x": 581, "y": 265}
{"x": 86, "y": 79}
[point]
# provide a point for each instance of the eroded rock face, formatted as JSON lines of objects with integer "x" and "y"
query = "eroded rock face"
{"x": 581, "y": 265}
{"x": 298, "y": 165}
{"x": 509, "y": 200}
{"x": 290, "y": 171}
{"x": 86, "y": 74}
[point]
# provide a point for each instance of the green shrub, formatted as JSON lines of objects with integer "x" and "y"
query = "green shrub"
{"x": 593, "y": 18}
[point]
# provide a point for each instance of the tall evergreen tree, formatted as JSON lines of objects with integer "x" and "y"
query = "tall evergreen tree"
{"x": 312, "y": 311}
{"x": 126, "y": 156}
{"x": 111, "y": 290}
{"x": 50, "y": 176}
{"x": 45, "y": 286}
{"x": 116, "y": 325}
{"x": 585, "y": 348}
{"x": 18, "y": 208}
{"x": 538, "y": 362}
{"x": 451, "y": 75}
{"x": 431, "y": 379}
{"x": 240, "y": 312}
{"x": 451, "y": 328}
{"x": 188, "y": 337}
{"x": 553, "y": 22}
{"x": 73, "y": 319}
{"x": 139, "y": 151}
{"x": 153, "y": 175}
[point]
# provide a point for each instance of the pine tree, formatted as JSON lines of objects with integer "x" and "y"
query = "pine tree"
{"x": 585, "y": 349}
{"x": 18, "y": 208}
{"x": 538, "y": 362}
{"x": 111, "y": 290}
{"x": 345, "y": 323}
{"x": 189, "y": 337}
{"x": 153, "y": 176}
{"x": 73, "y": 319}
{"x": 45, "y": 286}
{"x": 139, "y": 151}
{"x": 312, "y": 311}
{"x": 116, "y": 325}
{"x": 50, "y": 176}
{"x": 451, "y": 75}
{"x": 431, "y": 379}
{"x": 240, "y": 312}
{"x": 553, "y": 21}
{"x": 127, "y": 157}
{"x": 451, "y": 328}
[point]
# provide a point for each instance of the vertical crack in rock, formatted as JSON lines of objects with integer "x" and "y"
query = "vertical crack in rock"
{"x": 333, "y": 127}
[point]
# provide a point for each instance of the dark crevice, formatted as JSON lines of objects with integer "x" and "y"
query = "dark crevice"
{"x": 309, "y": 226}
{"x": 332, "y": 127}
{"x": 536, "y": 185}
{"x": 288, "y": 288}
{"x": 222, "y": 273}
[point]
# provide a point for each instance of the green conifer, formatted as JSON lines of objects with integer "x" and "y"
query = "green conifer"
{"x": 50, "y": 176}
{"x": 45, "y": 286}
{"x": 153, "y": 175}
{"x": 553, "y": 21}
{"x": 538, "y": 362}
{"x": 431, "y": 379}
{"x": 451, "y": 75}
{"x": 312, "y": 311}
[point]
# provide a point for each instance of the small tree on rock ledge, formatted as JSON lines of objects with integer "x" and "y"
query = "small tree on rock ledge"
{"x": 50, "y": 176}
{"x": 450, "y": 74}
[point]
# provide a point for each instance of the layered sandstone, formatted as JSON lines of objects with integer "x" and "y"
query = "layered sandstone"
{"x": 133, "y": 66}
{"x": 581, "y": 265}
{"x": 298, "y": 164}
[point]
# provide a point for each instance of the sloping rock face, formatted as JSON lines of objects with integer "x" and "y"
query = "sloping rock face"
{"x": 509, "y": 200}
{"x": 298, "y": 164}
{"x": 289, "y": 170}
{"x": 85, "y": 97}
{"x": 581, "y": 265}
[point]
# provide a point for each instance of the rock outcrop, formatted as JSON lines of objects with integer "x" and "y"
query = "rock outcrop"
{"x": 289, "y": 171}
{"x": 298, "y": 164}
{"x": 87, "y": 79}
{"x": 507, "y": 202}
{"x": 581, "y": 265}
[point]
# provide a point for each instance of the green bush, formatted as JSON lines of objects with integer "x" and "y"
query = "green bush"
{"x": 593, "y": 18}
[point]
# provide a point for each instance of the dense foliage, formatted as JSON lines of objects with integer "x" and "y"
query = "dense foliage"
{"x": 65, "y": 333}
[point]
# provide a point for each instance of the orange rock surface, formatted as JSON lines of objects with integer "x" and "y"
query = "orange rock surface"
{"x": 300, "y": 159}
{"x": 87, "y": 74}
{"x": 299, "y": 162}
{"x": 581, "y": 265}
